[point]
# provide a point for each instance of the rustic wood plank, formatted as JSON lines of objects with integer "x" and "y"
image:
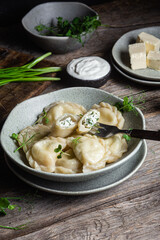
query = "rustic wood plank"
{"x": 134, "y": 216}
{"x": 130, "y": 219}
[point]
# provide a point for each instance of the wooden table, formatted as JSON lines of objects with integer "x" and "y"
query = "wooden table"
{"x": 127, "y": 211}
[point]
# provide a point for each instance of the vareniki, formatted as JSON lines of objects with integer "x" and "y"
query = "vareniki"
{"x": 62, "y": 142}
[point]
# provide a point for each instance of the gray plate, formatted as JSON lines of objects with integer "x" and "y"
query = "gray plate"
{"x": 101, "y": 183}
{"x": 47, "y": 14}
{"x": 134, "y": 79}
{"x": 120, "y": 53}
{"x": 25, "y": 114}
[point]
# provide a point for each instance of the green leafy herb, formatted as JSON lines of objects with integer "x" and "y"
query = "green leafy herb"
{"x": 27, "y": 73}
{"x": 5, "y": 204}
{"x": 127, "y": 137}
{"x": 14, "y": 136}
{"x": 126, "y": 106}
{"x": 132, "y": 101}
{"x": 44, "y": 116}
{"x": 77, "y": 28}
{"x": 59, "y": 150}
{"x": 76, "y": 140}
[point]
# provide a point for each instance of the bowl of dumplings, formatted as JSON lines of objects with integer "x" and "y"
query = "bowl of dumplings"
{"x": 53, "y": 140}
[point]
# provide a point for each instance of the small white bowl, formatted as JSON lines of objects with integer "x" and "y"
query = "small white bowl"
{"x": 47, "y": 14}
{"x": 25, "y": 114}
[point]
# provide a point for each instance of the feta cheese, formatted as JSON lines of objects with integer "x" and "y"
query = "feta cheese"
{"x": 137, "y": 52}
{"x": 153, "y": 60}
{"x": 152, "y": 43}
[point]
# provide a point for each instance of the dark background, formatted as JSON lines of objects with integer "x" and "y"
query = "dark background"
{"x": 11, "y": 11}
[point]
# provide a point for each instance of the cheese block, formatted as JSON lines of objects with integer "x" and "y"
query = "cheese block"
{"x": 137, "y": 52}
{"x": 152, "y": 43}
{"x": 153, "y": 60}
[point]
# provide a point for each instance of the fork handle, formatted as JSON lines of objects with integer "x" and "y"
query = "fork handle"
{"x": 145, "y": 134}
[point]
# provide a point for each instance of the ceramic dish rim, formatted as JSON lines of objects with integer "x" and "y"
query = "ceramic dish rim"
{"x": 122, "y": 66}
{"x": 71, "y": 176}
{"x": 85, "y": 192}
{"x": 132, "y": 78}
{"x": 53, "y": 37}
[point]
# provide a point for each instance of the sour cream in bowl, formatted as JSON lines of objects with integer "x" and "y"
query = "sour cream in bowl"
{"x": 90, "y": 71}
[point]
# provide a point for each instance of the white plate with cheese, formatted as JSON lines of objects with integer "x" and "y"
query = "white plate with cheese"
{"x": 120, "y": 53}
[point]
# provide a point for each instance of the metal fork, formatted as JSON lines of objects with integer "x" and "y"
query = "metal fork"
{"x": 106, "y": 131}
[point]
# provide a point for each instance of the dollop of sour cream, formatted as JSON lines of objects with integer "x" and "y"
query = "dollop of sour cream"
{"x": 88, "y": 68}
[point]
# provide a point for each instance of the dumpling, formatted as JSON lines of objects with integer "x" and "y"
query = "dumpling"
{"x": 115, "y": 147}
{"x": 42, "y": 155}
{"x": 58, "y": 109}
{"x": 109, "y": 114}
{"x": 93, "y": 167}
{"x": 68, "y": 164}
{"x": 88, "y": 121}
{"x": 88, "y": 149}
{"x": 32, "y": 134}
{"x": 65, "y": 125}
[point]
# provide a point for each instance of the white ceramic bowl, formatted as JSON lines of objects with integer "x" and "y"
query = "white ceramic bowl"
{"x": 47, "y": 14}
{"x": 25, "y": 114}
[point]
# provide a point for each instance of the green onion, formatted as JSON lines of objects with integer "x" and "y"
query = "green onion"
{"x": 26, "y": 73}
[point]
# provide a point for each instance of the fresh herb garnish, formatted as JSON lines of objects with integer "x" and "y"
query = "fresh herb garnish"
{"x": 132, "y": 101}
{"x": 127, "y": 137}
{"x": 59, "y": 150}
{"x": 27, "y": 73}
{"x": 5, "y": 204}
{"x": 76, "y": 28}
{"x": 19, "y": 227}
{"x": 126, "y": 106}
{"x": 76, "y": 140}
{"x": 44, "y": 116}
{"x": 14, "y": 136}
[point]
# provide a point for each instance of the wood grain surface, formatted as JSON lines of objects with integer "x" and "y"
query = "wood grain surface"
{"x": 129, "y": 211}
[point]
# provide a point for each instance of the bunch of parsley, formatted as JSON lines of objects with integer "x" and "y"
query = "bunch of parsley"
{"x": 76, "y": 28}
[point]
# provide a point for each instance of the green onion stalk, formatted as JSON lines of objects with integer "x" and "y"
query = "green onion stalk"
{"x": 27, "y": 73}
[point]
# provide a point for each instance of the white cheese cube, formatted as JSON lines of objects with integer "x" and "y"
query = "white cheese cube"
{"x": 152, "y": 43}
{"x": 137, "y": 52}
{"x": 153, "y": 60}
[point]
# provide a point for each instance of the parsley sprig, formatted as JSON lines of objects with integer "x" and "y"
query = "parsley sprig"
{"x": 126, "y": 106}
{"x": 5, "y": 204}
{"x": 76, "y": 28}
{"x": 131, "y": 102}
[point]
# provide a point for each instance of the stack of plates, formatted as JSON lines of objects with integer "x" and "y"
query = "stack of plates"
{"x": 25, "y": 114}
{"x": 101, "y": 183}
{"x": 121, "y": 61}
